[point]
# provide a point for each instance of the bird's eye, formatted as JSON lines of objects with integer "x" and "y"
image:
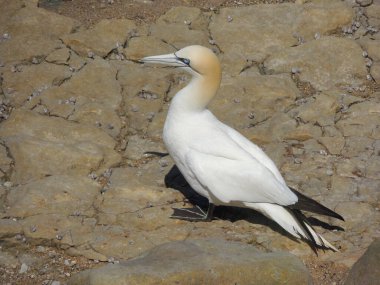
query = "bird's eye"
{"x": 185, "y": 61}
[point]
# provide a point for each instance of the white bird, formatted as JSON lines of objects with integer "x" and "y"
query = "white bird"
{"x": 221, "y": 164}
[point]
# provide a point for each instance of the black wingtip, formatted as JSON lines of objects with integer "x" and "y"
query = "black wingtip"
{"x": 307, "y": 204}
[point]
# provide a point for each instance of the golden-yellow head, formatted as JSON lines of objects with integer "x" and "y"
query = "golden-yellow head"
{"x": 197, "y": 60}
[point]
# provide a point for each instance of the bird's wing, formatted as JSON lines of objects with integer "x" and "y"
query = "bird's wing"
{"x": 254, "y": 150}
{"x": 228, "y": 179}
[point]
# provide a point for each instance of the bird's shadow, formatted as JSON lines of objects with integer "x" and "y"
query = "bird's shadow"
{"x": 174, "y": 179}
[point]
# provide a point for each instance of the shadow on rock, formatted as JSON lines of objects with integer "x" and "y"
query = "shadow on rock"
{"x": 174, "y": 179}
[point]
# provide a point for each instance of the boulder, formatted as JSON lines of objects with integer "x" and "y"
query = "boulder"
{"x": 201, "y": 262}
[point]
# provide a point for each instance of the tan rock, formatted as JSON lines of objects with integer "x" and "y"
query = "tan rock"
{"x": 247, "y": 101}
{"x": 102, "y": 38}
{"x": 180, "y": 15}
{"x": 140, "y": 47}
{"x": 43, "y": 145}
{"x": 99, "y": 115}
{"x": 375, "y": 71}
{"x": 64, "y": 194}
{"x": 373, "y": 11}
{"x": 59, "y": 56}
{"x": 179, "y": 35}
{"x": 322, "y": 62}
{"x": 372, "y": 47}
{"x": 95, "y": 84}
{"x": 144, "y": 91}
{"x": 360, "y": 120}
{"x": 334, "y": 145}
{"x": 254, "y": 32}
{"x": 129, "y": 195}
{"x": 321, "y": 110}
{"x": 57, "y": 229}
{"x": 275, "y": 129}
{"x": 304, "y": 132}
{"x": 5, "y": 161}
{"x": 190, "y": 262}
{"x": 354, "y": 212}
{"x": 32, "y": 81}
{"x": 33, "y": 32}
{"x": 9, "y": 228}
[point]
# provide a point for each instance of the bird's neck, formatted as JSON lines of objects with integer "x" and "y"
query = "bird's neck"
{"x": 197, "y": 94}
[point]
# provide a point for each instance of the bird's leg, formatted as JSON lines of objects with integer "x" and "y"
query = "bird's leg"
{"x": 194, "y": 214}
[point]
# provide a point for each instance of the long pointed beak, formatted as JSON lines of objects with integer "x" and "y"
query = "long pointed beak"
{"x": 167, "y": 59}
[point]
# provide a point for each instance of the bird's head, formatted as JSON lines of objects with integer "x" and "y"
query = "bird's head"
{"x": 197, "y": 60}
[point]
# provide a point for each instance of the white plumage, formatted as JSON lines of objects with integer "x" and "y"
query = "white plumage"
{"x": 217, "y": 161}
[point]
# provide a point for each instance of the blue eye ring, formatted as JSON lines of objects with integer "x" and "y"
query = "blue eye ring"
{"x": 185, "y": 61}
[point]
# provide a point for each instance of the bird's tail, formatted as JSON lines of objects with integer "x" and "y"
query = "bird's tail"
{"x": 294, "y": 222}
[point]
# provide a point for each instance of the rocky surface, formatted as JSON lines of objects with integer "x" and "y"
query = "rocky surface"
{"x": 78, "y": 112}
{"x": 201, "y": 262}
{"x": 366, "y": 270}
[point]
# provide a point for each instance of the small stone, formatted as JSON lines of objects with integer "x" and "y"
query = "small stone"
{"x": 295, "y": 70}
{"x": 24, "y": 268}
{"x": 163, "y": 162}
{"x": 40, "y": 248}
{"x": 364, "y": 3}
{"x": 67, "y": 262}
{"x": 229, "y": 18}
{"x": 8, "y": 184}
{"x": 90, "y": 54}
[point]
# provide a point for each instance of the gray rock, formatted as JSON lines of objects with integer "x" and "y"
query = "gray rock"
{"x": 366, "y": 270}
{"x": 24, "y": 268}
{"x": 201, "y": 262}
{"x": 8, "y": 260}
{"x": 323, "y": 63}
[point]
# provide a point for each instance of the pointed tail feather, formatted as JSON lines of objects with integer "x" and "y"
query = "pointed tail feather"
{"x": 294, "y": 222}
{"x": 307, "y": 204}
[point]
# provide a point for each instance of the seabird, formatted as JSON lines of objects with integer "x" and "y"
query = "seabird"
{"x": 221, "y": 164}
